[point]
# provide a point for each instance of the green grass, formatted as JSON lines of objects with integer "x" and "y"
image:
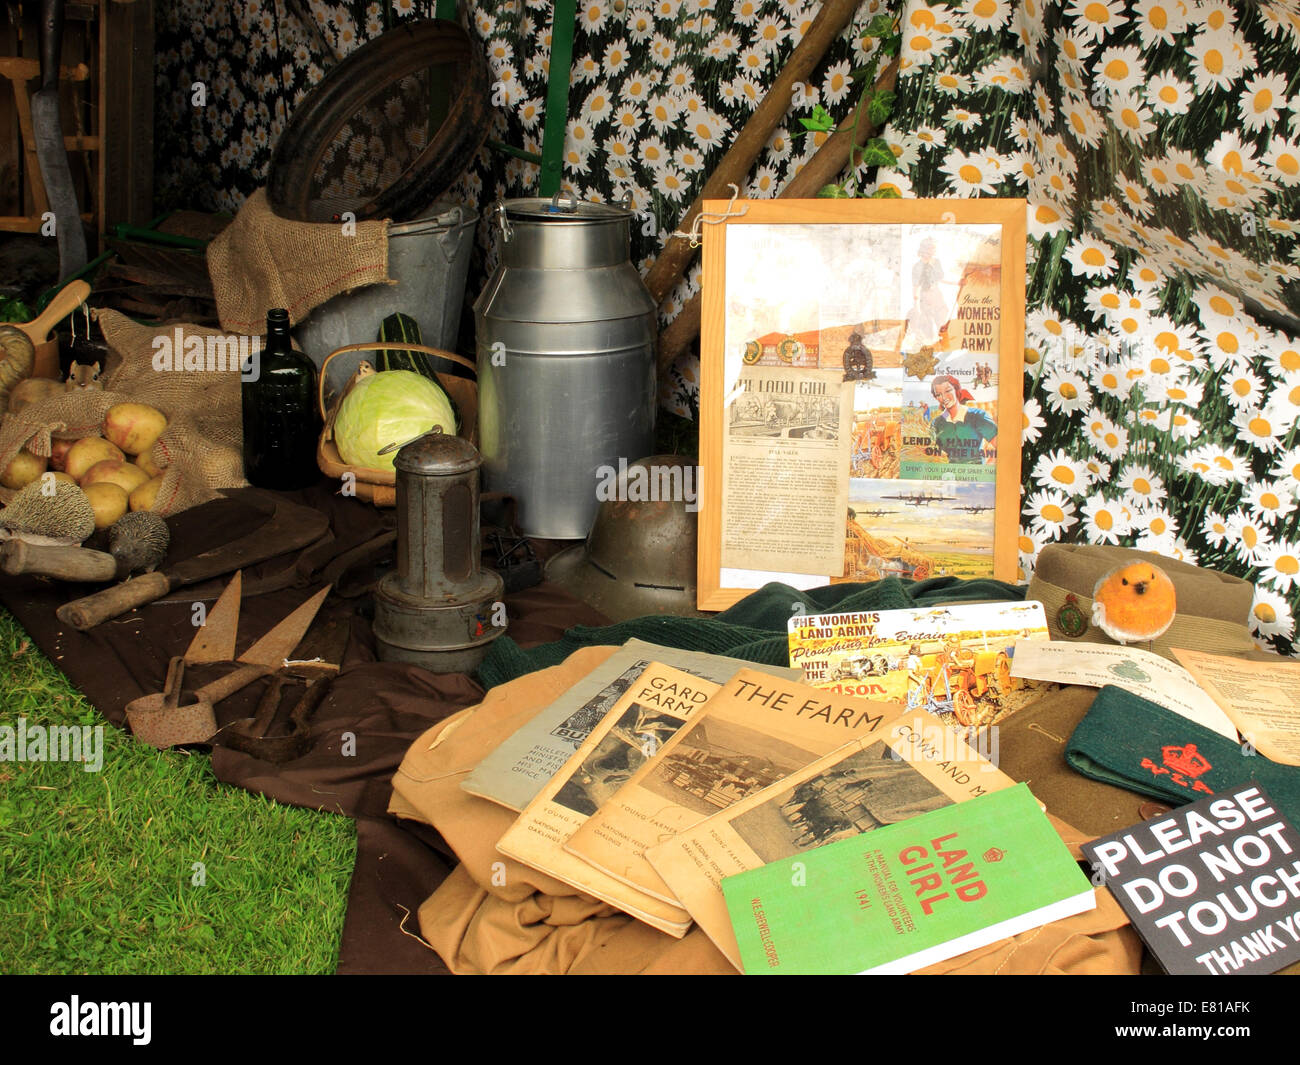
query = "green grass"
{"x": 151, "y": 865}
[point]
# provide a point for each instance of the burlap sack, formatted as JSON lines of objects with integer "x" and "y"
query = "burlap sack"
{"x": 261, "y": 261}
{"x": 1213, "y": 607}
{"x": 201, "y": 448}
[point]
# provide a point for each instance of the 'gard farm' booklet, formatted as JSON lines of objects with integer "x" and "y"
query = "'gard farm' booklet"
{"x": 755, "y": 731}
{"x": 911, "y": 894}
{"x": 658, "y": 703}
{"x": 515, "y": 772}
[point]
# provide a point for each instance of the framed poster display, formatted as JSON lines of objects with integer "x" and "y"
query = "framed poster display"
{"x": 860, "y": 393}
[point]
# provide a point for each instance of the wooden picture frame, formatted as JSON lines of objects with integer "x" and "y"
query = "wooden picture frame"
{"x": 861, "y": 376}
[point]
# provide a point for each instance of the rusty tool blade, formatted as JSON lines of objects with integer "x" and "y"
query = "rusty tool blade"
{"x": 175, "y": 680}
{"x": 158, "y": 720}
{"x": 278, "y": 644}
{"x": 267, "y": 707}
{"x": 265, "y": 656}
{"x": 215, "y": 640}
{"x": 292, "y": 526}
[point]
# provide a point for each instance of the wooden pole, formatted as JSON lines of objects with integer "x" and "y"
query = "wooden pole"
{"x": 733, "y": 168}
{"x": 820, "y": 170}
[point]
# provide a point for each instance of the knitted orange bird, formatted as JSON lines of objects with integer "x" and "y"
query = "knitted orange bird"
{"x": 1134, "y": 603}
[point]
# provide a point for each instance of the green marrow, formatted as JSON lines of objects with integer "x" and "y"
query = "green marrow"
{"x": 402, "y": 328}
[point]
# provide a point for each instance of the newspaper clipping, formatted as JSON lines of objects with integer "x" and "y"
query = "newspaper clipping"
{"x": 786, "y": 461}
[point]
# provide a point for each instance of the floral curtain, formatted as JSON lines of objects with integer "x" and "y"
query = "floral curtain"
{"x": 1156, "y": 141}
{"x": 1157, "y": 145}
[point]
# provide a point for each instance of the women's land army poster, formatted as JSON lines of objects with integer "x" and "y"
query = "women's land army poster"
{"x": 954, "y": 662}
{"x": 862, "y": 367}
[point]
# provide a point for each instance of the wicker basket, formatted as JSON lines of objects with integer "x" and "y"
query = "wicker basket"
{"x": 380, "y": 486}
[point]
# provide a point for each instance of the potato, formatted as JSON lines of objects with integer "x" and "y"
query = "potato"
{"x": 59, "y": 453}
{"x": 134, "y": 427}
{"x": 146, "y": 463}
{"x": 144, "y": 497}
{"x": 86, "y": 452}
{"x": 116, "y": 471}
{"x": 24, "y": 469}
{"x": 109, "y": 501}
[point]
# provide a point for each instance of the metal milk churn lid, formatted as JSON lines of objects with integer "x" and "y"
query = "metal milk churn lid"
{"x": 566, "y": 360}
{"x": 439, "y": 609}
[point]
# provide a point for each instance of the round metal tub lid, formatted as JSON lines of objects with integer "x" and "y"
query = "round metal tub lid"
{"x": 563, "y": 209}
{"x": 437, "y": 454}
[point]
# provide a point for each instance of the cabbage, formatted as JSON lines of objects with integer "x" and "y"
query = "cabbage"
{"x": 385, "y": 408}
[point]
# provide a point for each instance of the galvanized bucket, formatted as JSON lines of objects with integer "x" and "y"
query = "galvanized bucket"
{"x": 428, "y": 258}
{"x": 565, "y": 334}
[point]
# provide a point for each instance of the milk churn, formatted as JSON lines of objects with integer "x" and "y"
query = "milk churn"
{"x": 565, "y": 338}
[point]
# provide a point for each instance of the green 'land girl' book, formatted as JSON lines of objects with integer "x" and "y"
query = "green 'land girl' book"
{"x": 909, "y": 895}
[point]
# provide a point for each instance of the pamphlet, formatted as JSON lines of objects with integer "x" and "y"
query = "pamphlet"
{"x": 1095, "y": 665}
{"x": 953, "y": 661}
{"x": 1261, "y": 698}
{"x": 785, "y": 486}
{"x": 911, "y": 894}
{"x": 515, "y": 772}
{"x": 755, "y": 731}
{"x": 657, "y": 704}
{"x": 914, "y": 765}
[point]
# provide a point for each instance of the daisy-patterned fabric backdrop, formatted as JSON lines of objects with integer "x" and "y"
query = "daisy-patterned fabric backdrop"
{"x": 1157, "y": 142}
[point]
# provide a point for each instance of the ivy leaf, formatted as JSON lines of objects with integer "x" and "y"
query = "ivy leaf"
{"x": 821, "y": 121}
{"x": 880, "y": 107}
{"x": 888, "y": 193}
{"x": 833, "y": 192}
{"x": 880, "y": 26}
{"x": 864, "y": 73}
{"x": 889, "y": 46}
{"x": 876, "y": 152}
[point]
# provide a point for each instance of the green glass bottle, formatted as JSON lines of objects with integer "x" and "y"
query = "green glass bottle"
{"x": 281, "y": 421}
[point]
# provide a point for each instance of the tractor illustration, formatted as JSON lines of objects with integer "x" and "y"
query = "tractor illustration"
{"x": 967, "y": 683}
{"x": 863, "y": 666}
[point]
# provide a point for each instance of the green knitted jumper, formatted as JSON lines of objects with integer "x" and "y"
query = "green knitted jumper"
{"x": 754, "y": 629}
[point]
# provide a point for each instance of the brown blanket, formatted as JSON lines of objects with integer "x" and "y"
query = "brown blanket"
{"x": 387, "y": 706}
{"x": 402, "y": 715}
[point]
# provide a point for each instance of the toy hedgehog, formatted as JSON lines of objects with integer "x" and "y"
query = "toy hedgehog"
{"x": 138, "y": 541}
{"x": 49, "y": 512}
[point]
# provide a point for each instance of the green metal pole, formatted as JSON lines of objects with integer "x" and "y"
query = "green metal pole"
{"x": 510, "y": 149}
{"x": 557, "y": 95}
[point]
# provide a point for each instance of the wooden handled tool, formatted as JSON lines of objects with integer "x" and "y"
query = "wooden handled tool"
{"x": 51, "y": 150}
{"x": 63, "y": 563}
{"x": 292, "y": 526}
{"x": 66, "y": 300}
{"x": 822, "y": 169}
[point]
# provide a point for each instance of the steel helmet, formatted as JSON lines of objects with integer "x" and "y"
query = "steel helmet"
{"x": 639, "y": 557}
